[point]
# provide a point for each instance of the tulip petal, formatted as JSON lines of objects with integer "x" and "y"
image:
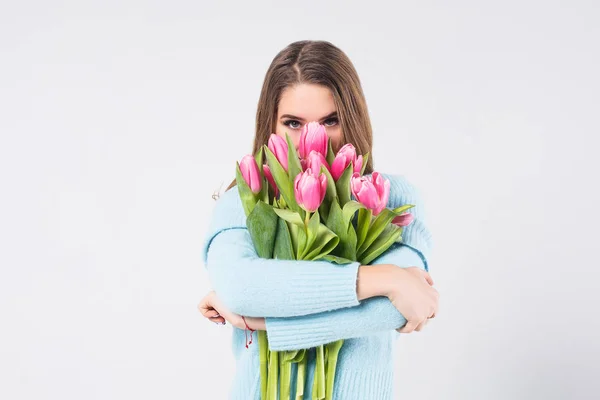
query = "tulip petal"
{"x": 403, "y": 220}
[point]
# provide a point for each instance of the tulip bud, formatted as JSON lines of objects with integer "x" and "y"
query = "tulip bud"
{"x": 279, "y": 148}
{"x": 270, "y": 179}
{"x": 310, "y": 190}
{"x": 345, "y": 156}
{"x": 371, "y": 191}
{"x": 313, "y": 137}
{"x": 314, "y": 161}
{"x": 251, "y": 174}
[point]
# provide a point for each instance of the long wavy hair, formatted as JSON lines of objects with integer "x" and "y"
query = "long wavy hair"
{"x": 316, "y": 62}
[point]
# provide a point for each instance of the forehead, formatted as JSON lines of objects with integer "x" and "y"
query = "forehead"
{"x": 308, "y": 101}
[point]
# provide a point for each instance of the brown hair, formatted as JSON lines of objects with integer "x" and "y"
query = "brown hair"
{"x": 322, "y": 63}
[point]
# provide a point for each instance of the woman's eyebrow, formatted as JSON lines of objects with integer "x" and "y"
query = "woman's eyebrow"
{"x": 330, "y": 115}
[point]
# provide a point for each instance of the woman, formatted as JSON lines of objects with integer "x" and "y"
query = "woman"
{"x": 303, "y": 304}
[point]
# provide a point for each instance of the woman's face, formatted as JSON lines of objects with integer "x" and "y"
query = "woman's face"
{"x": 304, "y": 103}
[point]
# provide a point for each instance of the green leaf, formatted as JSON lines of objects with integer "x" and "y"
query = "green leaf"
{"x": 326, "y": 240}
{"x": 330, "y": 194}
{"x": 262, "y": 225}
{"x": 364, "y": 166}
{"x": 302, "y": 238}
{"x": 248, "y": 198}
{"x": 352, "y": 240}
{"x": 323, "y": 210}
{"x": 289, "y": 355}
{"x": 283, "y": 249}
{"x": 381, "y": 222}
{"x": 403, "y": 208}
{"x": 264, "y": 191}
{"x": 350, "y": 208}
{"x": 311, "y": 231}
{"x": 383, "y": 242}
{"x": 335, "y": 259}
{"x": 346, "y": 248}
{"x": 294, "y": 166}
{"x": 290, "y": 216}
{"x": 294, "y": 234}
{"x": 282, "y": 203}
{"x": 282, "y": 180}
{"x": 299, "y": 356}
{"x": 330, "y": 154}
{"x": 362, "y": 228}
{"x": 259, "y": 160}
{"x": 343, "y": 185}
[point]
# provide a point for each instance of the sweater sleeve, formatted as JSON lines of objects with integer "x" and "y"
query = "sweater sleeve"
{"x": 257, "y": 287}
{"x": 371, "y": 315}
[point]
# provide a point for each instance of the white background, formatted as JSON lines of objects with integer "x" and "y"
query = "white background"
{"x": 118, "y": 120}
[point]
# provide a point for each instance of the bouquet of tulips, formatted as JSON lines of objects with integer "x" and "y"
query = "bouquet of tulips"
{"x": 312, "y": 204}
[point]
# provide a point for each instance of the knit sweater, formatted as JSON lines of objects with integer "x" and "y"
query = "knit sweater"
{"x": 310, "y": 303}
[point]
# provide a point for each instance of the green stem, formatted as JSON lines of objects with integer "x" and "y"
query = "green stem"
{"x": 319, "y": 381}
{"x": 273, "y": 375}
{"x": 263, "y": 351}
{"x": 284, "y": 381}
{"x": 301, "y": 378}
{"x": 332, "y": 358}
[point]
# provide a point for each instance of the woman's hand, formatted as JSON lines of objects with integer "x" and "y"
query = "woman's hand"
{"x": 214, "y": 310}
{"x": 412, "y": 293}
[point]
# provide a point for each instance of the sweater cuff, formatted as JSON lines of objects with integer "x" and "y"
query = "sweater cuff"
{"x": 332, "y": 285}
{"x": 371, "y": 316}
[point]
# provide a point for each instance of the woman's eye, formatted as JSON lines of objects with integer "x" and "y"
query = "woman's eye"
{"x": 332, "y": 121}
{"x": 290, "y": 122}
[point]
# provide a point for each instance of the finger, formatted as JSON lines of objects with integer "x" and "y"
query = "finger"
{"x": 428, "y": 278}
{"x": 210, "y": 312}
{"x": 218, "y": 319}
{"x": 204, "y": 306}
{"x": 409, "y": 327}
{"x": 421, "y": 326}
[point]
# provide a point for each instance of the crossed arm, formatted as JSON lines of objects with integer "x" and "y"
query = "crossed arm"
{"x": 308, "y": 303}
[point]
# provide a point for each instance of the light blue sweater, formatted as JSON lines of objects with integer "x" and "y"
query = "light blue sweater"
{"x": 309, "y": 303}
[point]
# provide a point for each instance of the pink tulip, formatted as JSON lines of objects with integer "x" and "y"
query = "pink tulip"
{"x": 313, "y": 137}
{"x": 251, "y": 174}
{"x": 403, "y": 219}
{"x": 371, "y": 191}
{"x": 310, "y": 190}
{"x": 270, "y": 179}
{"x": 279, "y": 147}
{"x": 314, "y": 161}
{"x": 346, "y": 155}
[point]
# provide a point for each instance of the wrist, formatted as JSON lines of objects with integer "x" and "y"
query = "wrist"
{"x": 374, "y": 280}
{"x": 255, "y": 323}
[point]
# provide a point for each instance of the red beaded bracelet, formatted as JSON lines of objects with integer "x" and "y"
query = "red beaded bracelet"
{"x": 245, "y": 330}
